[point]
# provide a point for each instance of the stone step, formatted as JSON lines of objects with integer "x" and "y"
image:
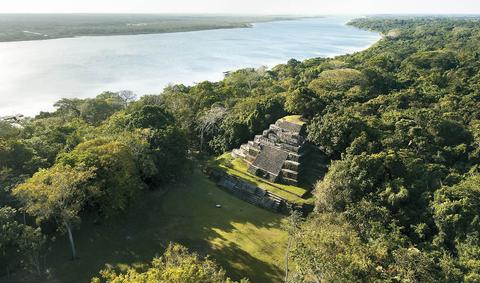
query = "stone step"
{"x": 274, "y": 127}
{"x": 264, "y": 141}
{"x": 289, "y": 174}
{"x": 289, "y": 181}
{"x": 257, "y": 200}
{"x": 273, "y": 137}
{"x": 255, "y": 145}
{"x": 249, "y": 150}
{"x": 288, "y": 126}
{"x": 250, "y": 158}
{"x": 295, "y": 157}
{"x": 291, "y": 165}
{"x": 291, "y": 148}
{"x": 237, "y": 153}
{"x": 275, "y": 197}
{"x": 251, "y": 193}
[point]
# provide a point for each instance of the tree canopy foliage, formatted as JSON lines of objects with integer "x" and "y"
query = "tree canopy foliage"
{"x": 176, "y": 265}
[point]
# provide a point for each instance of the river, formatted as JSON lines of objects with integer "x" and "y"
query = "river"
{"x": 35, "y": 74}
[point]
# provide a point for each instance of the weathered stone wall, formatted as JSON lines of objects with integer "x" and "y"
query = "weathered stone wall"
{"x": 248, "y": 192}
{"x": 255, "y": 195}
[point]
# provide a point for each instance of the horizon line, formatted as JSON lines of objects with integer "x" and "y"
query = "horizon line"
{"x": 239, "y": 14}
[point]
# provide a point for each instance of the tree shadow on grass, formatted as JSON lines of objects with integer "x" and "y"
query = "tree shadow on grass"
{"x": 242, "y": 264}
{"x": 242, "y": 238}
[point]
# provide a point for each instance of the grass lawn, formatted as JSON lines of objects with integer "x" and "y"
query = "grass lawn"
{"x": 246, "y": 240}
{"x": 296, "y": 119}
{"x": 238, "y": 167}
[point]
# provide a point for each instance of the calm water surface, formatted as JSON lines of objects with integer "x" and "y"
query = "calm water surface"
{"x": 35, "y": 74}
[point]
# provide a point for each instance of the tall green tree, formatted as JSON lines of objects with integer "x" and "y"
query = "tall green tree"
{"x": 57, "y": 194}
{"x": 117, "y": 177}
{"x": 19, "y": 243}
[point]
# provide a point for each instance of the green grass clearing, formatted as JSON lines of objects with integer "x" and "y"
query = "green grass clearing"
{"x": 238, "y": 167}
{"x": 246, "y": 240}
{"x": 296, "y": 119}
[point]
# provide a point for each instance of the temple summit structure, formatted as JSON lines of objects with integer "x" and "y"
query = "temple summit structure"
{"x": 276, "y": 154}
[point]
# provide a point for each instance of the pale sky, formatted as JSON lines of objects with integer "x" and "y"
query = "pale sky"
{"x": 243, "y": 6}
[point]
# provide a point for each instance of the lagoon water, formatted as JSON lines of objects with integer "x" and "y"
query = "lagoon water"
{"x": 35, "y": 74}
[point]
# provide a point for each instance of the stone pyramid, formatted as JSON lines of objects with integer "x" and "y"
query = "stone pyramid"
{"x": 276, "y": 154}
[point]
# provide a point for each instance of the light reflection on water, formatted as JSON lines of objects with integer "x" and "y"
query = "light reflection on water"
{"x": 35, "y": 74}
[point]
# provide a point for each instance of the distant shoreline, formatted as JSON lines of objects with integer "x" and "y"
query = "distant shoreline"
{"x": 159, "y": 78}
{"x": 35, "y": 27}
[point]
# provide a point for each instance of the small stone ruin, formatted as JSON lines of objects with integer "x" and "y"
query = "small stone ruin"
{"x": 251, "y": 193}
{"x": 276, "y": 154}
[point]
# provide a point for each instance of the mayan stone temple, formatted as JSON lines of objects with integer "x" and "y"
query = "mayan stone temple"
{"x": 276, "y": 154}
